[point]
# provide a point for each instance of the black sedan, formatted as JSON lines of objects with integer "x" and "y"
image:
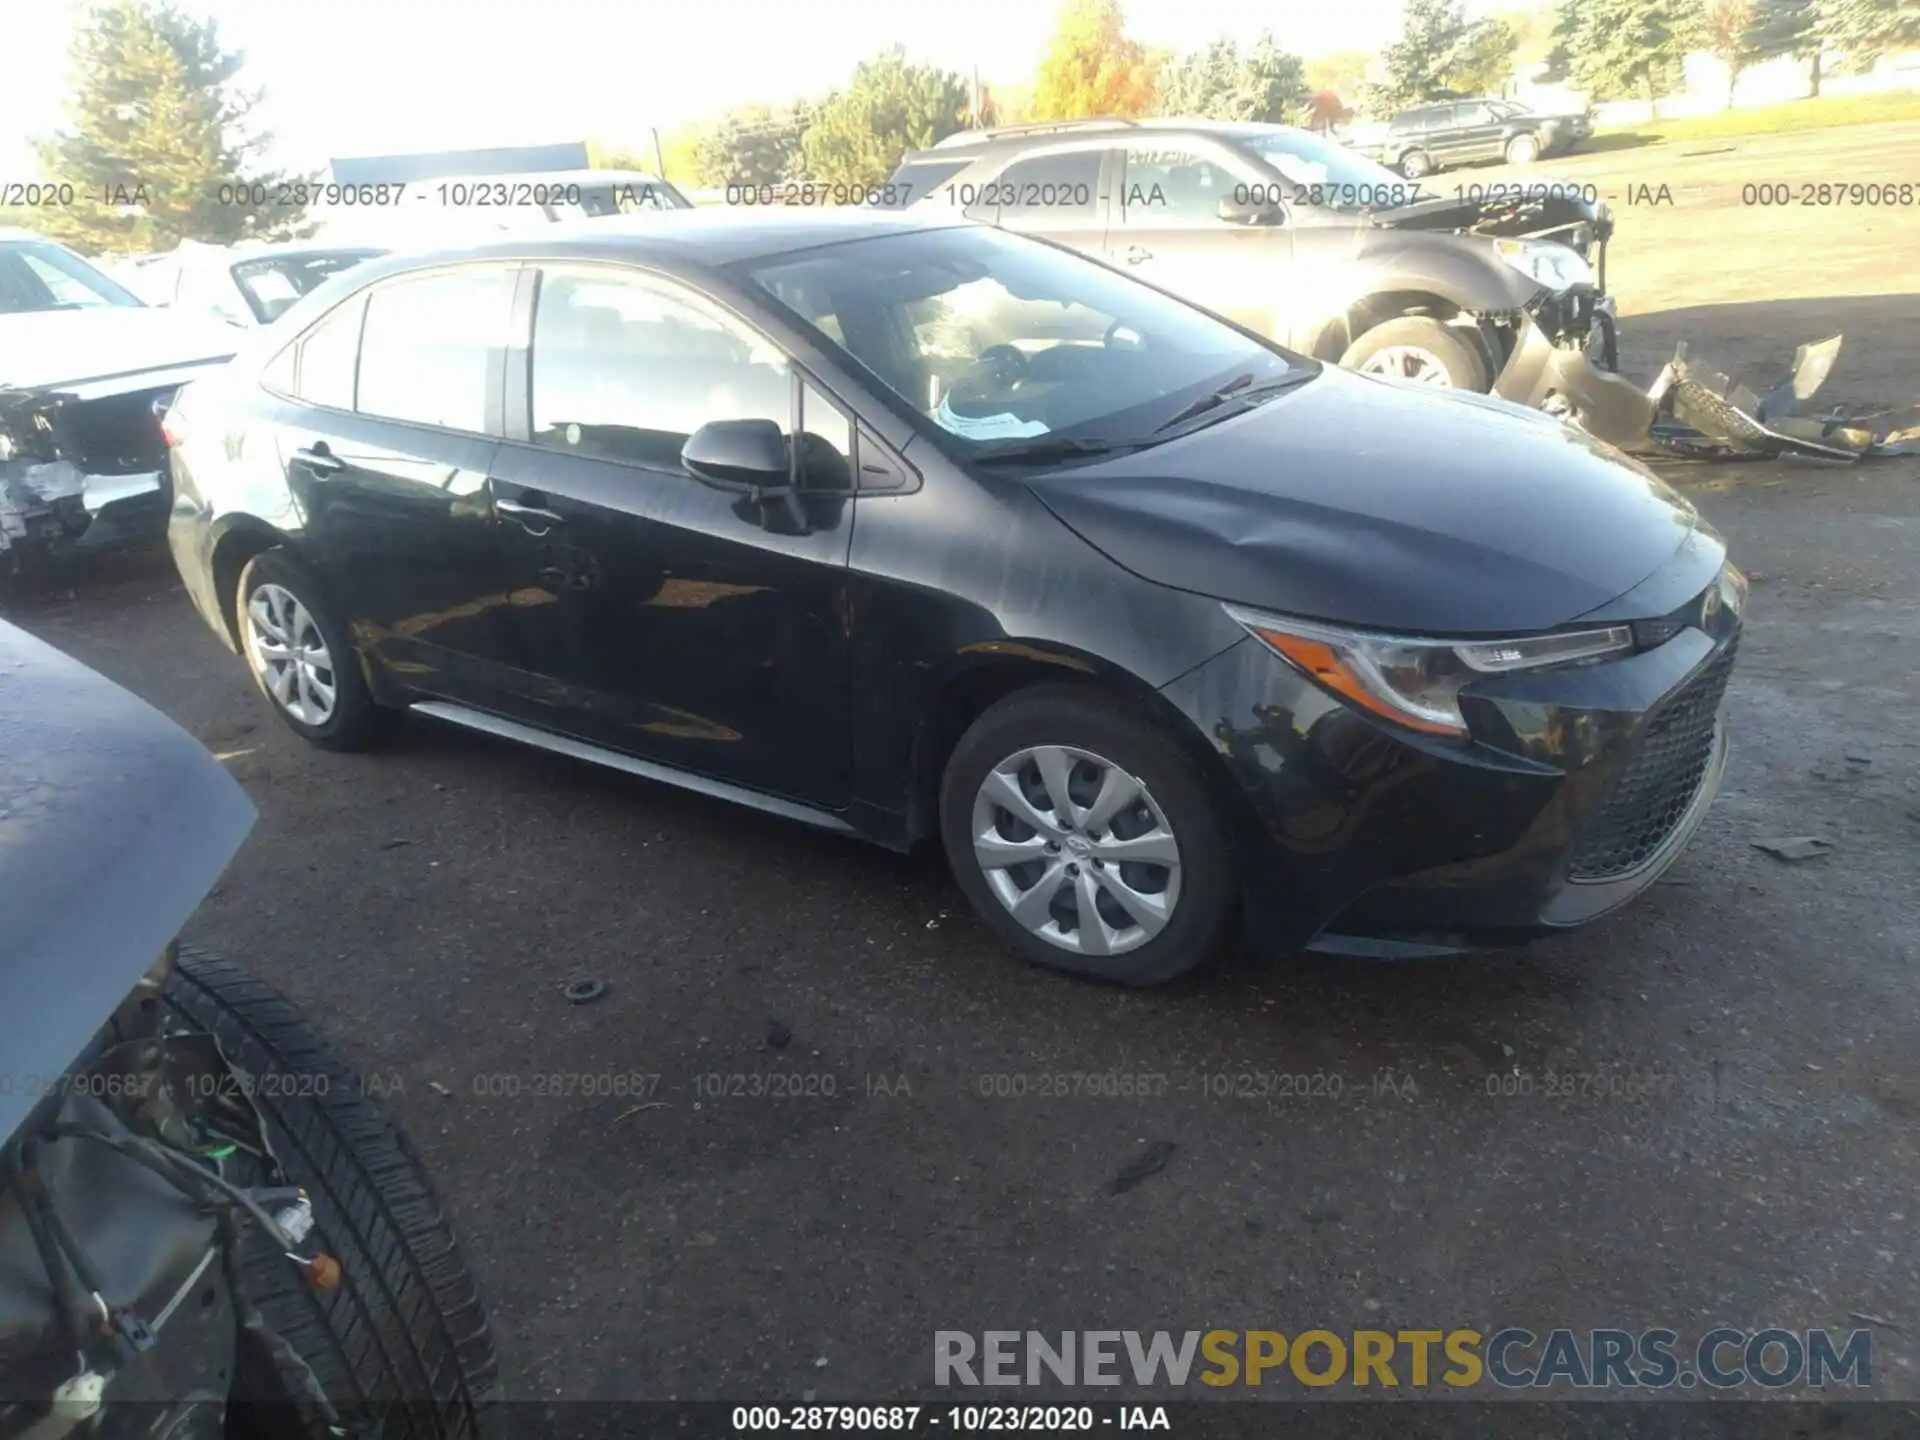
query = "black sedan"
{"x": 905, "y": 528}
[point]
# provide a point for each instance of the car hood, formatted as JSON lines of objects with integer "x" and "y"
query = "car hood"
{"x": 114, "y": 824}
{"x": 1546, "y": 208}
{"x": 59, "y": 347}
{"x": 1368, "y": 503}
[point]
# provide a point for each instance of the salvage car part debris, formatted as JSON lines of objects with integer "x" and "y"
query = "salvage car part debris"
{"x": 1794, "y": 847}
{"x": 1702, "y": 413}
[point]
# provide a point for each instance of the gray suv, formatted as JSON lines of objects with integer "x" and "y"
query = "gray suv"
{"x": 1499, "y": 289}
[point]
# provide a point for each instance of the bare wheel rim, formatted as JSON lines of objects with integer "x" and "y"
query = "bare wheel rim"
{"x": 1407, "y": 362}
{"x": 1077, "y": 849}
{"x": 290, "y": 655}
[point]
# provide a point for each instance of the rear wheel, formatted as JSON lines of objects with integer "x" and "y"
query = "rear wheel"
{"x": 300, "y": 656}
{"x": 404, "y": 1326}
{"x": 1086, "y": 837}
{"x": 1415, "y": 163}
{"x": 1422, "y": 351}
{"x": 1522, "y": 150}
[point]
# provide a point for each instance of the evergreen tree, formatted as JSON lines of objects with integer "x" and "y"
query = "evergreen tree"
{"x": 857, "y": 135}
{"x": 1441, "y": 53}
{"x": 1627, "y": 48}
{"x": 157, "y": 144}
{"x": 1865, "y": 30}
{"x": 1220, "y": 83}
{"x": 1788, "y": 27}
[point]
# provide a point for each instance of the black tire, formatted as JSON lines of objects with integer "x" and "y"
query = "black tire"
{"x": 1466, "y": 367}
{"x": 1417, "y": 163}
{"x": 1109, "y": 726}
{"x": 357, "y": 722}
{"x": 404, "y": 1328}
{"x": 1523, "y": 150}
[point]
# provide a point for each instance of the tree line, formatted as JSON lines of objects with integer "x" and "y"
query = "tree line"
{"x": 158, "y": 130}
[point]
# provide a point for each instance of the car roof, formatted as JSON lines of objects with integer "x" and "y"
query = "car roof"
{"x": 549, "y": 177}
{"x": 982, "y": 142}
{"x": 278, "y": 250}
{"x": 707, "y": 237}
{"x": 114, "y": 825}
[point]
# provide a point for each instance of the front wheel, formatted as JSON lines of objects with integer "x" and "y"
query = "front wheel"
{"x": 404, "y": 1326}
{"x": 1419, "y": 350}
{"x": 1086, "y": 838}
{"x": 1415, "y": 164}
{"x": 1522, "y": 150}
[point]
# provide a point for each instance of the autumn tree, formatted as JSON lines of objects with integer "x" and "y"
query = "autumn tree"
{"x": 1220, "y": 82}
{"x": 857, "y": 135}
{"x": 677, "y": 158}
{"x": 1726, "y": 30}
{"x": 1091, "y": 67}
{"x": 158, "y": 146}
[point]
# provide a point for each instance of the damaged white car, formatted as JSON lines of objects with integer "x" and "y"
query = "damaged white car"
{"x": 86, "y": 373}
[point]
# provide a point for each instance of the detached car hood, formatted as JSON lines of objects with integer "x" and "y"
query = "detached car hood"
{"x": 1383, "y": 506}
{"x": 1544, "y": 208}
{"x": 114, "y": 824}
{"x": 57, "y": 348}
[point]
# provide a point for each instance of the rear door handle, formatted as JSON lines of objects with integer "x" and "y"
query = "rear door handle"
{"x": 319, "y": 459}
{"x": 529, "y": 516}
{"x": 1136, "y": 255}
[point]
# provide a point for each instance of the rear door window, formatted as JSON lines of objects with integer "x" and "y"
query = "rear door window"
{"x": 1060, "y": 190}
{"x": 433, "y": 345}
{"x": 329, "y": 354}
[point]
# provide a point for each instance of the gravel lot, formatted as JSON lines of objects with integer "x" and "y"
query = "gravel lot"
{"x": 430, "y": 903}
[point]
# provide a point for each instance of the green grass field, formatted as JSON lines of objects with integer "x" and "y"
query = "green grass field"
{"x": 1812, "y": 114}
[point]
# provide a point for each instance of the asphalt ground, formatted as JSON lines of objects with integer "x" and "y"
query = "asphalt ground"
{"x": 1700, "y": 1112}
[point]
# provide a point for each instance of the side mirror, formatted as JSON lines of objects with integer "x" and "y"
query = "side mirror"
{"x": 1236, "y": 213}
{"x": 741, "y": 457}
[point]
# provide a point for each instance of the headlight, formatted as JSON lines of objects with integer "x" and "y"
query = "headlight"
{"x": 1733, "y": 589}
{"x": 1416, "y": 682}
{"x": 1555, "y": 266}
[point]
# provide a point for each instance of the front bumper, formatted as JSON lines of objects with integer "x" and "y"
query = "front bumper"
{"x": 1581, "y": 785}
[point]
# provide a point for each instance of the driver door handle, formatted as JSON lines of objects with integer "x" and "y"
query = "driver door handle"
{"x": 529, "y": 515}
{"x": 1137, "y": 255}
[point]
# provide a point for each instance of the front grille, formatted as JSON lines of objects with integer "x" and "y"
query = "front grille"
{"x": 1658, "y": 784}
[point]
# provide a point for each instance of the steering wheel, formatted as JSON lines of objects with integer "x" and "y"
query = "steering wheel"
{"x": 1122, "y": 336}
{"x": 1004, "y": 365}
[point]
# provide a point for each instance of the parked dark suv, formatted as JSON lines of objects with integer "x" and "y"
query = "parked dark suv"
{"x": 1306, "y": 242}
{"x": 837, "y": 514}
{"x": 1467, "y": 132}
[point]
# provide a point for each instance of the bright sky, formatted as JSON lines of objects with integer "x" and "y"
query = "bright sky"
{"x": 360, "y": 77}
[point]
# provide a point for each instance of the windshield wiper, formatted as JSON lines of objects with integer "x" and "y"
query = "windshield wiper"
{"x": 1052, "y": 447}
{"x": 1236, "y": 391}
{"x": 1208, "y": 401}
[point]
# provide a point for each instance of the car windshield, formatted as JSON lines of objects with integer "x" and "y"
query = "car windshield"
{"x": 1339, "y": 178}
{"x": 272, "y": 283}
{"x": 994, "y": 338}
{"x": 39, "y": 275}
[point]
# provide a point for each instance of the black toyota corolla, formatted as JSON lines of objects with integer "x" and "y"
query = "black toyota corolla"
{"x": 908, "y": 529}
